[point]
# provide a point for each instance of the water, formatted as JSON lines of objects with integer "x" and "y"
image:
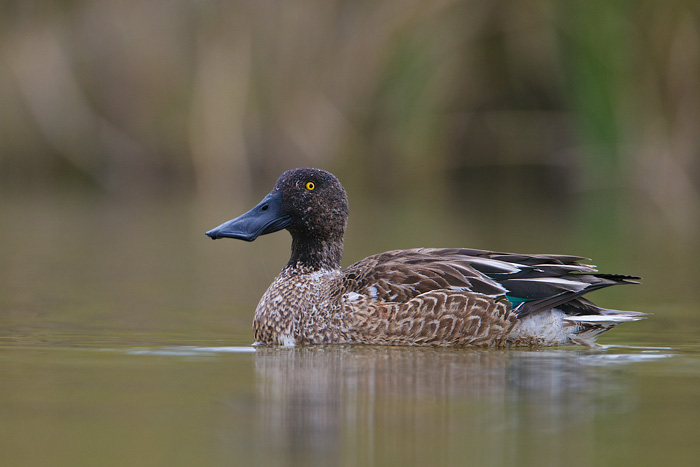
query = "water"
{"x": 125, "y": 340}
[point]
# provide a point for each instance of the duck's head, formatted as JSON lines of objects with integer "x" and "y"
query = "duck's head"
{"x": 310, "y": 203}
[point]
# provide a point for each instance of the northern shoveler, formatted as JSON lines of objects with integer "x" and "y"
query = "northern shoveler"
{"x": 425, "y": 296}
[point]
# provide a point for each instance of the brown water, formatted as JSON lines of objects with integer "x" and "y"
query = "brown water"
{"x": 125, "y": 340}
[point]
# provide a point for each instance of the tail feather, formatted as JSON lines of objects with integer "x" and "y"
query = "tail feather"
{"x": 557, "y": 327}
{"x": 608, "y": 316}
{"x": 573, "y": 298}
{"x": 588, "y": 327}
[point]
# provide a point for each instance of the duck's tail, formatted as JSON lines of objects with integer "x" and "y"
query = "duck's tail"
{"x": 559, "y": 326}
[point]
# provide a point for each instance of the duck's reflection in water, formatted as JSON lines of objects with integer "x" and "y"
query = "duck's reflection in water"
{"x": 371, "y": 405}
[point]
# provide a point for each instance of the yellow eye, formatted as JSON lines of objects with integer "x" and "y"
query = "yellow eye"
{"x": 310, "y": 186}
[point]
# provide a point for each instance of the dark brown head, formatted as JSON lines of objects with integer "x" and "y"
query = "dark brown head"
{"x": 311, "y": 204}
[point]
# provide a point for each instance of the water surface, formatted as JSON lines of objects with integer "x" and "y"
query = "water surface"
{"x": 125, "y": 340}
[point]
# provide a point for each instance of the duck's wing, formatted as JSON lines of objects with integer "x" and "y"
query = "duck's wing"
{"x": 400, "y": 275}
{"x": 530, "y": 282}
{"x": 425, "y": 297}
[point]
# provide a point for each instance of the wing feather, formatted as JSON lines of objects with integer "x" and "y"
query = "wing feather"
{"x": 539, "y": 281}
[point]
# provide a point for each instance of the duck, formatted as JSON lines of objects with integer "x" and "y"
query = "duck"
{"x": 459, "y": 297}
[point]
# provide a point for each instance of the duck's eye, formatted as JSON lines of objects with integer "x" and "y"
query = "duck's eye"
{"x": 310, "y": 186}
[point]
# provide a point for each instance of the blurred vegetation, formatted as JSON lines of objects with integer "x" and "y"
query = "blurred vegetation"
{"x": 484, "y": 101}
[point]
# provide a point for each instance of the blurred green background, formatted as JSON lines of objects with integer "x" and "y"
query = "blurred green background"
{"x": 538, "y": 97}
{"x": 535, "y": 125}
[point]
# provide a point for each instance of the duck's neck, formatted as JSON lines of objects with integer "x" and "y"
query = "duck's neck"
{"x": 315, "y": 253}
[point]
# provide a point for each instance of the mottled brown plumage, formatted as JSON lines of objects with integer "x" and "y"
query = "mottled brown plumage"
{"x": 428, "y": 296}
{"x": 304, "y": 306}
